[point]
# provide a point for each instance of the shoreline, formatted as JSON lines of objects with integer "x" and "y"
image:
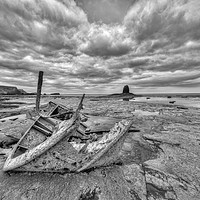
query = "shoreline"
{"x": 161, "y": 157}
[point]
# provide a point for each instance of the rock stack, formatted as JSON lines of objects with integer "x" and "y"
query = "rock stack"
{"x": 126, "y": 89}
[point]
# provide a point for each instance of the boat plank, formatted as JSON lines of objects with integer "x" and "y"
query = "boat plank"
{"x": 40, "y": 129}
{"x": 124, "y": 127}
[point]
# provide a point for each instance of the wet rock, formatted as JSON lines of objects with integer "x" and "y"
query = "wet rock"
{"x": 6, "y": 141}
{"x": 125, "y": 99}
{"x": 91, "y": 195}
{"x": 9, "y": 90}
{"x": 160, "y": 161}
{"x": 134, "y": 175}
{"x": 56, "y": 93}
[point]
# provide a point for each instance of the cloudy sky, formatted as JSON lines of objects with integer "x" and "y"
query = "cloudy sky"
{"x": 98, "y": 46}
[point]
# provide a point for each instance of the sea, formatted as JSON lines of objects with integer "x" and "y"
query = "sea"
{"x": 182, "y": 99}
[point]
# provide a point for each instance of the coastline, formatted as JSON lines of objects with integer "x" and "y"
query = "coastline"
{"x": 161, "y": 159}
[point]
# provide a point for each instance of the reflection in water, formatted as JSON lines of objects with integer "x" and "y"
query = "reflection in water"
{"x": 191, "y": 102}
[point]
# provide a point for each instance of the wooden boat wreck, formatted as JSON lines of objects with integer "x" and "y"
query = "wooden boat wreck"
{"x": 58, "y": 111}
{"x": 53, "y": 110}
{"x": 48, "y": 146}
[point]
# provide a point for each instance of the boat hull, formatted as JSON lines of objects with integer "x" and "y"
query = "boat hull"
{"x": 56, "y": 154}
{"x": 65, "y": 129}
{"x": 47, "y": 146}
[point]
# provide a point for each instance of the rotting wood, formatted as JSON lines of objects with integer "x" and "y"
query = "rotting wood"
{"x": 85, "y": 160}
{"x": 39, "y": 89}
{"x": 63, "y": 129}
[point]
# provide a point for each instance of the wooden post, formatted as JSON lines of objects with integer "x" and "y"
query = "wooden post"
{"x": 39, "y": 88}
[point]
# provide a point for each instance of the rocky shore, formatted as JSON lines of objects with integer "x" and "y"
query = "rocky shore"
{"x": 10, "y": 90}
{"x": 159, "y": 161}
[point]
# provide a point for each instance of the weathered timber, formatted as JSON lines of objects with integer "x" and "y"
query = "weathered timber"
{"x": 42, "y": 144}
{"x": 39, "y": 89}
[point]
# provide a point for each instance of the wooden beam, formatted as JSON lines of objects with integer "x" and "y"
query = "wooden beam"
{"x": 39, "y": 88}
{"x": 44, "y": 131}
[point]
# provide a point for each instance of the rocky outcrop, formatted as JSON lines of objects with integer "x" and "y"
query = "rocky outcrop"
{"x": 10, "y": 90}
{"x": 159, "y": 162}
{"x": 125, "y": 89}
{"x": 55, "y": 93}
{"x": 125, "y": 95}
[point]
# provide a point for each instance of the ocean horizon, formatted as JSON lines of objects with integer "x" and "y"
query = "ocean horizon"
{"x": 142, "y": 94}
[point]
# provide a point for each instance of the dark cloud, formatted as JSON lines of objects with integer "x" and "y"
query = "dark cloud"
{"x": 190, "y": 85}
{"x": 25, "y": 66}
{"x": 174, "y": 65}
{"x": 170, "y": 79}
{"x": 112, "y": 11}
{"x": 64, "y": 13}
{"x": 89, "y": 72}
{"x": 167, "y": 24}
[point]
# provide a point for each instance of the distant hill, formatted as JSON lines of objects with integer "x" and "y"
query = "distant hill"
{"x": 10, "y": 90}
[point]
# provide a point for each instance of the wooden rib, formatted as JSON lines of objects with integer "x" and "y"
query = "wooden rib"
{"x": 51, "y": 111}
{"x": 40, "y": 124}
{"x": 47, "y": 133}
{"x": 134, "y": 129}
{"x": 51, "y": 116}
{"x": 80, "y": 131}
{"x": 101, "y": 153}
{"x": 49, "y": 120}
{"x": 84, "y": 125}
{"x": 65, "y": 129}
{"x": 21, "y": 146}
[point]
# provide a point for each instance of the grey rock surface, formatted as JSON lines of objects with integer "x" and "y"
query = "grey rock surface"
{"x": 161, "y": 161}
{"x": 10, "y": 90}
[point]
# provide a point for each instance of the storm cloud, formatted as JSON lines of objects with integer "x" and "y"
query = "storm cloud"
{"x": 97, "y": 46}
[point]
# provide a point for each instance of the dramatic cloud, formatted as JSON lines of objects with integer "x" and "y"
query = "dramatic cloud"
{"x": 103, "y": 40}
{"x": 97, "y": 46}
{"x": 163, "y": 23}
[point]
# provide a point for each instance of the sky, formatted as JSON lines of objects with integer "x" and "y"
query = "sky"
{"x": 98, "y": 46}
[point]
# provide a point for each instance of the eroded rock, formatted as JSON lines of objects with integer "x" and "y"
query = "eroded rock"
{"x": 160, "y": 161}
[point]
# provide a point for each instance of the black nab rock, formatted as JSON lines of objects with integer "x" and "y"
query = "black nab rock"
{"x": 126, "y": 89}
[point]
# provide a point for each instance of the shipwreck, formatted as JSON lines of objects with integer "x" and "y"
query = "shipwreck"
{"x": 59, "y": 141}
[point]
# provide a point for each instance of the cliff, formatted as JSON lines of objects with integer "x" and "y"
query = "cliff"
{"x": 10, "y": 90}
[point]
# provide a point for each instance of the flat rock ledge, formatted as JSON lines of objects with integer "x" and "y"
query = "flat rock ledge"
{"x": 160, "y": 161}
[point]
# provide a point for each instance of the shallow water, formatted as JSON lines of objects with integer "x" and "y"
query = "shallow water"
{"x": 190, "y": 102}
